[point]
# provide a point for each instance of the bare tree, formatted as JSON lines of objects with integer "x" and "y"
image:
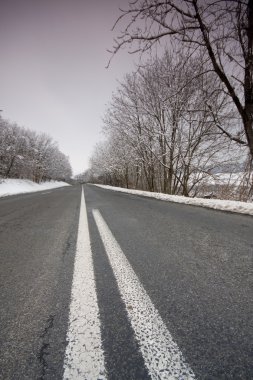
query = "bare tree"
{"x": 26, "y": 154}
{"x": 160, "y": 131}
{"x": 221, "y": 30}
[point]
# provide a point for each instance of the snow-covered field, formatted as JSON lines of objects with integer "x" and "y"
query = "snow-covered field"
{"x": 19, "y": 186}
{"x": 234, "y": 206}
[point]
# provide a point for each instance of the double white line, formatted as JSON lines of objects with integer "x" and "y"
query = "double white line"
{"x": 84, "y": 357}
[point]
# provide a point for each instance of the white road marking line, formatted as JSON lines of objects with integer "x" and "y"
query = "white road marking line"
{"x": 84, "y": 358}
{"x": 161, "y": 354}
{"x": 46, "y": 192}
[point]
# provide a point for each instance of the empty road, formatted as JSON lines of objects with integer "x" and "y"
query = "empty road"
{"x": 97, "y": 284}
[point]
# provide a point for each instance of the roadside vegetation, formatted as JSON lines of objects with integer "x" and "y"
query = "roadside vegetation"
{"x": 185, "y": 116}
{"x": 25, "y": 154}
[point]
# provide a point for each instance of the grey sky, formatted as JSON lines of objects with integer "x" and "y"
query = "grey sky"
{"x": 52, "y": 69}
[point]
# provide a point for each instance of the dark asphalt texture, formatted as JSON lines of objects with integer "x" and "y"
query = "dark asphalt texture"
{"x": 196, "y": 265}
{"x": 37, "y": 247}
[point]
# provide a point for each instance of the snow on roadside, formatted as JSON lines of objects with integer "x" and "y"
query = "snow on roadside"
{"x": 217, "y": 204}
{"x": 19, "y": 186}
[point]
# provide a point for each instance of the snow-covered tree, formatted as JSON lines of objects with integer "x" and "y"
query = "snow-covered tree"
{"x": 221, "y": 31}
{"x": 160, "y": 128}
{"x": 27, "y": 154}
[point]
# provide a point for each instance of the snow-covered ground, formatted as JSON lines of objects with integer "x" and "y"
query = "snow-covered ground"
{"x": 234, "y": 179}
{"x": 234, "y": 206}
{"x": 19, "y": 186}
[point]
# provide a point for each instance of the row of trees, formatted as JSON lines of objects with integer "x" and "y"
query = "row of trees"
{"x": 181, "y": 118}
{"x": 163, "y": 129}
{"x": 27, "y": 154}
{"x": 219, "y": 30}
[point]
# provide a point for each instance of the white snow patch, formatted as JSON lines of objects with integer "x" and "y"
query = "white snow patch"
{"x": 232, "y": 179}
{"x": 217, "y": 204}
{"x": 20, "y": 186}
{"x": 161, "y": 354}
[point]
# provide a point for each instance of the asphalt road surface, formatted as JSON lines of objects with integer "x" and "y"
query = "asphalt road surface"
{"x": 106, "y": 285}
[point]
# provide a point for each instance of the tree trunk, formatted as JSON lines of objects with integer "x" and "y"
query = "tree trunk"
{"x": 10, "y": 167}
{"x": 248, "y": 81}
{"x": 137, "y": 177}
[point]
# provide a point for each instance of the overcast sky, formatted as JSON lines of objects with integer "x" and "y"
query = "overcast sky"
{"x": 52, "y": 69}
